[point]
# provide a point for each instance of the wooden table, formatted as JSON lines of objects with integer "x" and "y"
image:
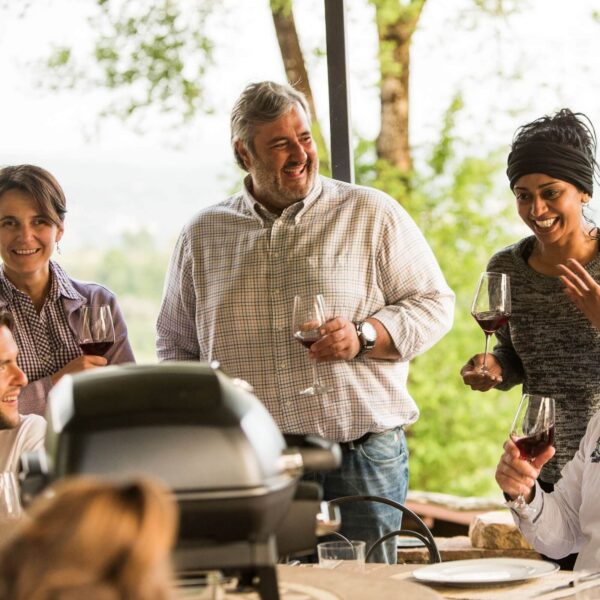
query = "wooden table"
{"x": 311, "y": 583}
{"x": 525, "y": 590}
{"x": 395, "y": 582}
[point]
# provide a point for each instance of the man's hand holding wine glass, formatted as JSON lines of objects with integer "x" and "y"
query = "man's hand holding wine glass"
{"x": 338, "y": 341}
{"x": 516, "y": 476}
{"x": 529, "y": 448}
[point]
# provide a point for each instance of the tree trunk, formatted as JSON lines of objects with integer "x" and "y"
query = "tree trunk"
{"x": 396, "y": 23}
{"x": 295, "y": 68}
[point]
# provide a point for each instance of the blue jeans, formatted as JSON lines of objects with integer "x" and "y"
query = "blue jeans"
{"x": 376, "y": 467}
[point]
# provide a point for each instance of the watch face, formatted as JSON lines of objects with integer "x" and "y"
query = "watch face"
{"x": 368, "y": 331}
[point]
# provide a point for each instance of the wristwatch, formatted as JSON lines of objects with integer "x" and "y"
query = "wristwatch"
{"x": 367, "y": 336}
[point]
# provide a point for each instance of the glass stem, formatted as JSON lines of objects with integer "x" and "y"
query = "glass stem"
{"x": 313, "y": 364}
{"x": 487, "y": 341}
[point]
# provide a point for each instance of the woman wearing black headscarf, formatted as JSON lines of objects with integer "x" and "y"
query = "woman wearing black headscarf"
{"x": 552, "y": 342}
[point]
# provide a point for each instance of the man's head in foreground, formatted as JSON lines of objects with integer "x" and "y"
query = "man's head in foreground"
{"x": 12, "y": 379}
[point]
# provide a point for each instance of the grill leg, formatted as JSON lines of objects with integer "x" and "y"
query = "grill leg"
{"x": 267, "y": 583}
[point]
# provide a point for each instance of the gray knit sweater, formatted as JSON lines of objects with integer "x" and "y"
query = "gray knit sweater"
{"x": 550, "y": 347}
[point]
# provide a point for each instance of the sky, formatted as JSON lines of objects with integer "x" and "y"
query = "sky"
{"x": 509, "y": 70}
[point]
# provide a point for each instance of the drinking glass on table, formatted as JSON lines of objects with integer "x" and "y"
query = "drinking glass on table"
{"x": 96, "y": 332}
{"x": 532, "y": 432}
{"x": 491, "y": 305}
{"x": 307, "y": 318}
{"x": 348, "y": 555}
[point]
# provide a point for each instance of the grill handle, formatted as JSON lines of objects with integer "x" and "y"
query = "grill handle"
{"x": 316, "y": 453}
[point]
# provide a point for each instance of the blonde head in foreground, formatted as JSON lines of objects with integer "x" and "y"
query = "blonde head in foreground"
{"x": 93, "y": 540}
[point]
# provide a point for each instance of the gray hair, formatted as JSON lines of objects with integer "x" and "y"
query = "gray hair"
{"x": 261, "y": 102}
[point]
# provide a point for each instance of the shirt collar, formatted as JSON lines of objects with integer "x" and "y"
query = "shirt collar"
{"x": 63, "y": 284}
{"x": 60, "y": 285}
{"x": 6, "y": 286}
{"x": 295, "y": 211}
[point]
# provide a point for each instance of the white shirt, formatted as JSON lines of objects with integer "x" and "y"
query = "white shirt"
{"x": 28, "y": 435}
{"x": 568, "y": 519}
{"x": 233, "y": 276}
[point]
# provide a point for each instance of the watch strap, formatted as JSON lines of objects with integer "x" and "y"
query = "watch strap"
{"x": 366, "y": 345}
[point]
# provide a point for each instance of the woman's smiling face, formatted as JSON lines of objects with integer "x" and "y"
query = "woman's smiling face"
{"x": 550, "y": 207}
{"x": 27, "y": 238}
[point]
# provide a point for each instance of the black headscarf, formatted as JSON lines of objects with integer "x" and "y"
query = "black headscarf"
{"x": 556, "y": 160}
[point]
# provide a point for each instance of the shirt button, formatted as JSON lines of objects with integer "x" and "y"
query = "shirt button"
{"x": 275, "y": 254}
{"x": 282, "y": 365}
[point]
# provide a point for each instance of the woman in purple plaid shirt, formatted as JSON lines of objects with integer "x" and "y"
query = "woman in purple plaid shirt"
{"x": 43, "y": 300}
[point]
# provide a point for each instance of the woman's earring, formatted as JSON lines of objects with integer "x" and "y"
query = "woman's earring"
{"x": 58, "y": 248}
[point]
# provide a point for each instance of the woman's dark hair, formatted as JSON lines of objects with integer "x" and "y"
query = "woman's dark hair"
{"x": 40, "y": 185}
{"x": 6, "y": 319}
{"x": 564, "y": 127}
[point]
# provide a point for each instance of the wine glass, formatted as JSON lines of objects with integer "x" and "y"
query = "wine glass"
{"x": 96, "y": 330}
{"x": 307, "y": 317}
{"x": 532, "y": 432}
{"x": 491, "y": 305}
{"x": 10, "y": 503}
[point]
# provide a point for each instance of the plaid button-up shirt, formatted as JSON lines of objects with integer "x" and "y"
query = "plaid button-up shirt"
{"x": 47, "y": 340}
{"x": 233, "y": 276}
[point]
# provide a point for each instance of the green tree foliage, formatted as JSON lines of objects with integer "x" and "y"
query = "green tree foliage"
{"x": 455, "y": 201}
{"x": 135, "y": 271}
{"x": 154, "y": 53}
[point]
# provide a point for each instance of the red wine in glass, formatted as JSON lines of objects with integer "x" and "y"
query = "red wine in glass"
{"x": 308, "y": 315}
{"x": 491, "y": 321}
{"x": 96, "y": 333}
{"x": 95, "y": 348}
{"x": 307, "y": 338}
{"x": 491, "y": 305}
{"x": 532, "y": 431}
{"x": 531, "y": 446}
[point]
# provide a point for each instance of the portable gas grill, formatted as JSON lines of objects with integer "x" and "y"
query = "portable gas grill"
{"x": 211, "y": 442}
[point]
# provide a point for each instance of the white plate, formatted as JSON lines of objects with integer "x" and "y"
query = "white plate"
{"x": 482, "y": 571}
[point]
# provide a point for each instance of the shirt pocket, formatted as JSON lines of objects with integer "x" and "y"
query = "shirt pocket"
{"x": 344, "y": 281}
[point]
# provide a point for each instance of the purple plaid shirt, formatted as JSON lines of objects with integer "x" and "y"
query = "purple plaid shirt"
{"x": 47, "y": 341}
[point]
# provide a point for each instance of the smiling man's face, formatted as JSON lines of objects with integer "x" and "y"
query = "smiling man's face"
{"x": 284, "y": 161}
{"x": 12, "y": 379}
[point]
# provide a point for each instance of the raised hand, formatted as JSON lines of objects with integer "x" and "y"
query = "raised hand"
{"x": 582, "y": 289}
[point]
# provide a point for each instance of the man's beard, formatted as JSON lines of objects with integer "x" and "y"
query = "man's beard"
{"x": 278, "y": 192}
{"x": 7, "y": 422}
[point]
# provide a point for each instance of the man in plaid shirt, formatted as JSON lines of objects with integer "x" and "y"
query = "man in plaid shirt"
{"x": 238, "y": 265}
